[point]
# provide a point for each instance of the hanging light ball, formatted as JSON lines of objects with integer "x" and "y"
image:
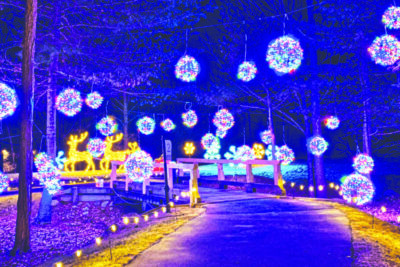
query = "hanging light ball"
{"x": 223, "y": 120}
{"x": 187, "y": 69}
{"x": 220, "y": 133}
{"x": 284, "y": 54}
{"x": 107, "y": 126}
{"x": 332, "y": 122}
{"x": 247, "y": 71}
{"x": 8, "y": 101}
{"x": 245, "y": 153}
{"x": 208, "y": 141}
{"x": 139, "y": 166}
{"x": 168, "y": 125}
{"x": 385, "y": 50}
{"x": 266, "y": 137}
{"x": 189, "y": 118}
{"x": 146, "y": 125}
{"x": 391, "y": 18}
{"x": 94, "y": 100}
{"x": 48, "y": 173}
{"x": 317, "y": 145}
{"x": 285, "y": 154}
{"x": 363, "y": 163}
{"x": 69, "y": 102}
{"x": 3, "y": 182}
{"x": 96, "y": 147}
{"x": 357, "y": 189}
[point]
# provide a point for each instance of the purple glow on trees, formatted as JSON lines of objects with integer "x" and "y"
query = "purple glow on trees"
{"x": 69, "y": 102}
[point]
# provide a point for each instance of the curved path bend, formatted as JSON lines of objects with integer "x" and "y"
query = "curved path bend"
{"x": 257, "y": 232}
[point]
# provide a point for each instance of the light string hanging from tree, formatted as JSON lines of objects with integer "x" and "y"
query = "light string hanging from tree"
{"x": 8, "y": 101}
{"x": 285, "y": 154}
{"x": 247, "y": 70}
{"x": 266, "y": 137}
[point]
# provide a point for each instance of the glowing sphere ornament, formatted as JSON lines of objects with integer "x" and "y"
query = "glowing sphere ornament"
{"x": 213, "y": 151}
{"x": 268, "y": 152}
{"x": 139, "y": 166}
{"x": 266, "y": 137}
{"x": 94, "y": 100}
{"x": 187, "y": 69}
{"x": 220, "y": 133}
{"x": 247, "y": 71}
{"x": 107, "y": 126}
{"x": 8, "y": 101}
{"x": 285, "y": 154}
{"x": 357, "y": 189}
{"x": 48, "y": 173}
{"x": 96, "y": 147}
{"x": 189, "y": 118}
{"x": 223, "y": 120}
{"x": 332, "y": 122}
{"x": 363, "y": 163}
{"x": 208, "y": 141}
{"x": 69, "y": 102}
{"x": 284, "y": 55}
{"x": 3, "y": 182}
{"x": 168, "y": 125}
{"x": 146, "y": 125}
{"x": 391, "y": 18}
{"x": 385, "y": 50}
{"x": 317, "y": 145}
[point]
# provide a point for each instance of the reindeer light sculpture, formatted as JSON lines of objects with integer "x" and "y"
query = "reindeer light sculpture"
{"x": 75, "y": 156}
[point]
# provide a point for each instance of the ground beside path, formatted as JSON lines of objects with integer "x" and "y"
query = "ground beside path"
{"x": 256, "y": 232}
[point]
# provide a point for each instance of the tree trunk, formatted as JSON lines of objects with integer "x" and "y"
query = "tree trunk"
{"x": 366, "y": 131}
{"x": 22, "y": 235}
{"x": 270, "y": 125}
{"x": 310, "y": 171}
{"x": 44, "y": 214}
{"x": 126, "y": 122}
{"x": 318, "y": 160}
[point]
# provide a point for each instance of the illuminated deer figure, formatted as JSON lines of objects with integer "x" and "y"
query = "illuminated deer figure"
{"x": 75, "y": 156}
{"x": 111, "y": 155}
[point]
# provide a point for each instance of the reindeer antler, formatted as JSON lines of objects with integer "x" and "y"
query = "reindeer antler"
{"x": 115, "y": 138}
{"x": 82, "y": 137}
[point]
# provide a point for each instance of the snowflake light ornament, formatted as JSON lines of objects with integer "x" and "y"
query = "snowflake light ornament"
{"x": 189, "y": 118}
{"x": 146, "y": 125}
{"x": 391, "y": 18}
{"x": 213, "y": 151}
{"x": 94, "y": 100}
{"x": 69, "y": 102}
{"x": 139, "y": 166}
{"x": 223, "y": 120}
{"x": 247, "y": 71}
{"x": 107, "y": 126}
{"x": 187, "y": 69}
{"x": 284, "y": 55}
{"x": 385, "y": 50}
{"x": 357, "y": 189}
{"x": 363, "y": 163}
{"x": 8, "y": 101}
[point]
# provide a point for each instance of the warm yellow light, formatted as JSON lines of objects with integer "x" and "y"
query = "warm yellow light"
{"x": 292, "y": 184}
{"x": 194, "y": 189}
{"x": 171, "y": 204}
{"x": 183, "y": 194}
{"x": 311, "y": 188}
{"x": 75, "y": 156}
{"x": 156, "y": 214}
{"x": 126, "y": 220}
{"x": 340, "y": 193}
{"x": 301, "y": 187}
{"x": 78, "y": 253}
{"x": 354, "y": 199}
{"x": 383, "y": 209}
{"x": 259, "y": 150}
{"x": 98, "y": 241}
{"x": 176, "y": 198}
{"x": 398, "y": 219}
{"x": 59, "y": 264}
{"x": 331, "y": 185}
{"x": 164, "y": 209}
{"x": 113, "y": 228}
{"x": 146, "y": 218}
{"x": 283, "y": 181}
{"x": 189, "y": 148}
{"x": 5, "y": 153}
{"x": 320, "y": 187}
{"x": 136, "y": 220}
{"x": 337, "y": 187}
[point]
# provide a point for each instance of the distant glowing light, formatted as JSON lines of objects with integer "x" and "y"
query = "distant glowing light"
{"x": 8, "y": 101}
{"x": 3, "y": 182}
{"x": 208, "y": 141}
{"x": 136, "y": 220}
{"x": 358, "y": 189}
{"x": 259, "y": 150}
{"x": 107, "y": 126}
{"x": 113, "y": 228}
{"x": 266, "y": 137}
{"x": 125, "y": 220}
{"x": 385, "y": 50}
{"x": 220, "y": 133}
{"x": 332, "y": 122}
{"x": 317, "y": 145}
{"x": 331, "y": 185}
{"x": 187, "y": 69}
{"x": 247, "y": 71}
{"x": 189, "y": 118}
{"x": 98, "y": 241}
{"x": 285, "y": 154}
{"x": 311, "y": 188}
{"x": 94, "y": 100}
{"x": 168, "y": 125}
{"x": 284, "y": 55}
{"x": 391, "y": 18}
{"x": 301, "y": 187}
{"x": 146, "y": 125}
{"x": 383, "y": 209}
{"x": 189, "y": 148}
{"x": 223, "y": 120}
{"x": 363, "y": 163}
{"x": 78, "y": 253}
{"x": 292, "y": 184}
{"x": 96, "y": 147}
{"x": 139, "y": 166}
{"x": 320, "y": 187}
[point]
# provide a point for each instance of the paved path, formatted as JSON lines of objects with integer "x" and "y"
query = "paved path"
{"x": 257, "y": 232}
